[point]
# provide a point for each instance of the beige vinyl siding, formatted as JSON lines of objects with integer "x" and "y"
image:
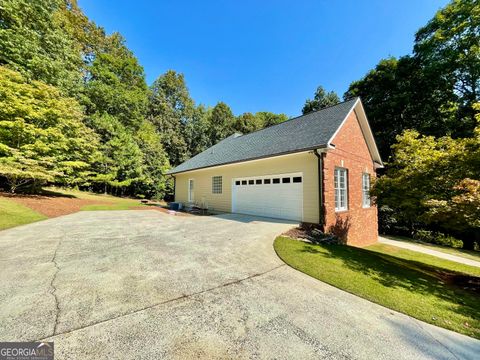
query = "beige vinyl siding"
{"x": 305, "y": 163}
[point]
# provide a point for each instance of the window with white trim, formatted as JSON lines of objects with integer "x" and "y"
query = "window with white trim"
{"x": 340, "y": 184}
{"x": 365, "y": 190}
{"x": 216, "y": 184}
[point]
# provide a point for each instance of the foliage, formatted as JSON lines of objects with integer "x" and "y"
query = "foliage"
{"x": 267, "y": 118}
{"x": 247, "y": 123}
{"x": 170, "y": 110}
{"x": 434, "y": 181}
{"x": 155, "y": 162}
{"x": 321, "y": 99}
{"x": 437, "y": 238}
{"x": 116, "y": 84}
{"x": 448, "y": 48}
{"x": 397, "y": 96}
{"x": 433, "y": 90}
{"x": 33, "y": 41}
{"x": 221, "y": 121}
{"x": 42, "y": 134}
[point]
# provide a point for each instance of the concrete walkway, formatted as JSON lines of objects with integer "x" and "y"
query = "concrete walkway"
{"x": 146, "y": 285}
{"x": 424, "y": 250}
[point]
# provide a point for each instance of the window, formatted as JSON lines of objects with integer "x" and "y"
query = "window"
{"x": 237, "y": 182}
{"x": 244, "y": 182}
{"x": 285, "y": 180}
{"x": 258, "y": 181}
{"x": 250, "y": 182}
{"x": 276, "y": 181}
{"x": 216, "y": 185}
{"x": 297, "y": 179}
{"x": 191, "y": 190}
{"x": 340, "y": 184}
{"x": 366, "y": 190}
{"x": 266, "y": 181}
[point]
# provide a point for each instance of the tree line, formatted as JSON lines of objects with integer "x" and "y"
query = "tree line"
{"x": 75, "y": 109}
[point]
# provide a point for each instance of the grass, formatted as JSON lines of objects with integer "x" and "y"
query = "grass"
{"x": 13, "y": 214}
{"x": 411, "y": 283}
{"x": 468, "y": 254}
{"x": 428, "y": 260}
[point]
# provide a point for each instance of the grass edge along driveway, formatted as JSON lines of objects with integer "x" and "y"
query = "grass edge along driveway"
{"x": 14, "y": 214}
{"x": 415, "y": 288}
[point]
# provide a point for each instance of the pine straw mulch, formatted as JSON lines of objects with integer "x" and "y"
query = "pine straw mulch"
{"x": 52, "y": 205}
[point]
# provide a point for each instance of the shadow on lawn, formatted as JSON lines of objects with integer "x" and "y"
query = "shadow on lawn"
{"x": 415, "y": 276}
{"x": 41, "y": 194}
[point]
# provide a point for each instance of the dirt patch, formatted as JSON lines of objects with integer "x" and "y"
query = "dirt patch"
{"x": 53, "y": 206}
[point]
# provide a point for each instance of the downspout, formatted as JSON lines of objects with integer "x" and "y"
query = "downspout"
{"x": 320, "y": 188}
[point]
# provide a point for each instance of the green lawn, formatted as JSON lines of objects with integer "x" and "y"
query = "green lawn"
{"x": 424, "y": 259}
{"x": 468, "y": 254}
{"x": 409, "y": 282}
{"x": 13, "y": 214}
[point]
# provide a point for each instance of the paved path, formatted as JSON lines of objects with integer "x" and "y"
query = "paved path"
{"x": 418, "y": 248}
{"x": 146, "y": 285}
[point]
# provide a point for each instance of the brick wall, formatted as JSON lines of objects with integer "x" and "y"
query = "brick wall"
{"x": 357, "y": 225}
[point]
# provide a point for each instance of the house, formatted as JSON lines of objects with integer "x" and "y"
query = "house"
{"x": 316, "y": 168}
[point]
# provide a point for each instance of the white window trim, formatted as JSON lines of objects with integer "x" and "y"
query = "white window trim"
{"x": 337, "y": 189}
{"x": 221, "y": 185}
{"x": 366, "y": 202}
{"x": 190, "y": 198}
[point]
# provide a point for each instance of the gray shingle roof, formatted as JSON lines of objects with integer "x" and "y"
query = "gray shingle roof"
{"x": 306, "y": 132}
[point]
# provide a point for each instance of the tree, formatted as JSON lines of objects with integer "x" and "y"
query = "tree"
{"x": 197, "y": 131}
{"x": 221, "y": 122}
{"x": 170, "y": 109}
{"x": 42, "y": 134}
{"x": 321, "y": 99}
{"x": 434, "y": 182}
{"x": 116, "y": 84}
{"x": 247, "y": 123}
{"x": 448, "y": 49}
{"x": 268, "y": 118}
{"x": 397, "y": 96}
{"x": 33, "y": 41}
{"x": 155, "y": 162}
{"x": 432, "y": 91}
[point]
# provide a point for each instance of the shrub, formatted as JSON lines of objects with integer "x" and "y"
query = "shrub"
{"x": 437, "y": 238}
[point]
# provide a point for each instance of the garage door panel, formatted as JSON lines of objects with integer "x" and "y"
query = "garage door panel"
{"x": 283, "y": 200}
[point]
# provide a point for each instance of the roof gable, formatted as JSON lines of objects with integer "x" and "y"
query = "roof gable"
{"x": 307, "y": 132}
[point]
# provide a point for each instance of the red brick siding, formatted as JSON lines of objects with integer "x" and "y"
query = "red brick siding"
{"x": 357, "y": 225}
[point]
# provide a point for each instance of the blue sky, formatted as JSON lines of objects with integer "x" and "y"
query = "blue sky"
{"x": 267, "y": 55}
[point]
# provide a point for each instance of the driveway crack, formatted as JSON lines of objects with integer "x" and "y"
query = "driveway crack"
{"x": 182, "y": 297}
{"x": 419, "y": 325}
{"x": 53, "y": 289}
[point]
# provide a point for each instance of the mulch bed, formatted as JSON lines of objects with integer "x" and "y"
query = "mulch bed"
{"x": 57, "y": 205}
{"x": 52, "y": 206}
{"x": 310, "y": 233}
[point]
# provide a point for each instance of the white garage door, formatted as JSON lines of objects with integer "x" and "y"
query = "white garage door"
{"x": 276, "y": 196}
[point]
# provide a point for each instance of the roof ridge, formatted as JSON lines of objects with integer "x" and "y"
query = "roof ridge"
{"x": 299, "y": 116}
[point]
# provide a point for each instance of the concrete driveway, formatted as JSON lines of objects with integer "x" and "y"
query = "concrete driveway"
{"x": 146, "y": 285}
